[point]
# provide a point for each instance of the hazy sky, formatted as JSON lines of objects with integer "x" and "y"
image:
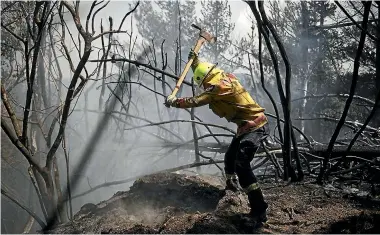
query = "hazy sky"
{"x": 117, "y": 9}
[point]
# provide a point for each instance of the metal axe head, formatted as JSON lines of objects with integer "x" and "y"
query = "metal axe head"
{"x": 204, "y": 34}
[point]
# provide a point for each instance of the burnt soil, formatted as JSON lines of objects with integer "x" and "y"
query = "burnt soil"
{"x": 177, "y": 203}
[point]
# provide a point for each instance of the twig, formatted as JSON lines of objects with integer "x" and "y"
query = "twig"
{"x": 94, "y": 15}
{"x": 29, "y": 224}
{"x": 126, "y": 15}
{"x": 364, "y": 23}
{"x": 333, "y": 26}
{"x": 368, "y": 101}
{"x": 71, "y": 89}
{"x": 19, "y": 145}
{"x": 12, "y": 198}
{"x": 265, "y": 33}
{"x": 88, "y": 150}
{"x": 296, "y": 128}
{"x": 265, "y": 89}
{"x": 369, "y": 118}
{"x": 38, "y": 192}
{"x": 289, "y": 136}
{"x": 178, "y": 120}
{"x": 10, "y": 111}
{"x": 137, "y": 63}
{"x": 367, "y": 6}
{"x": 192, "y": 165}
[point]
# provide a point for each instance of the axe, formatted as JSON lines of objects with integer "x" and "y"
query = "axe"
{"x": 203, "y": 37}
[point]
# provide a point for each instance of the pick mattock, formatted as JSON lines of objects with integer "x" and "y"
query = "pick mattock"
{"x": 203, "y": 37}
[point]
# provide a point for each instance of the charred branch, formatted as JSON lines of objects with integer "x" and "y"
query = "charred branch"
{"x": 191, "y": 121}
{"x": 30, "y": 212}
{"x": 359, "y": 98}
{"x": 11, "y": 112}
{"x": 367, "y": 6}
{"x": 364, "y": 22}
{"x": 137, "y": 63}
{"x": 266, "y": 90}
{"x": 334, "y": 26}
{"x": 20, "y": 146}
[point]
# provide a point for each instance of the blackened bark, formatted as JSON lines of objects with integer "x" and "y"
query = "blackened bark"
{"x": 367, "y": 6}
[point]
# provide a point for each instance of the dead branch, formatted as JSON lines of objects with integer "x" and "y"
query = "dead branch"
{"x": 210, "y": 160}
{"x": 184, "y": 109}
{"x": 32, "y": 75}
{"x": 137, "y": 63}
{"x": 356, "y": 23}
{"x": 333, "y": 26}
{"x": 137, "y": 83}
{"x": 38, "y": 192}
{"x": 359, "y": 166}
{"x": 288, "y": 130}
{"x": 19, "y": 145}
{"x": 367, "y": 6}
{"x": 136, "y": 117}
{"x": 30, "y": 212}
{"x": 178, "y": 120}
{"x": 178, "y": 168}
{"x": 147, "y": 132}
{"x": 29, "y": 224}
{"x": 121, "y": 24}
{"x": 369, "y": 118}
{"x": 11, "y": 112}
{"x": 67, "y": 177}
{"x": 158, "y": 70}
{"x": 71, "y": 88}
{"x": 350, "y": 124}
{"x": 265, "y": 32}
{"x": 58, "y": 190}
{"x": 126, "y": 15}
{"x": 368, "y": 101}
{"x": 264, "y": 87}
{"x": 296, "y": 128}
{"x": 14, "y": 34}
{"x": 96, "y": 12}
{"x": 88, "y": 150}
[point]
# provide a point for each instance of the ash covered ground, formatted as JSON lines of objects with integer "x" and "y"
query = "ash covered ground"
{"x": 179, "y": 203}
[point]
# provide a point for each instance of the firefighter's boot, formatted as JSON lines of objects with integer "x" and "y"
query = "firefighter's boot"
{"x": 258, "y": 206}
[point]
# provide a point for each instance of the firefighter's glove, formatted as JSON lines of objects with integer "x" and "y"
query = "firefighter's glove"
{"x": 170, "y": 100}
{"x": 192, "y": 54}
{"x": 232, "y": 183}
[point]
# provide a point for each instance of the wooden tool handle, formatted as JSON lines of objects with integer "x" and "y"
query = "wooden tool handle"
{"x": 187, "y": 67}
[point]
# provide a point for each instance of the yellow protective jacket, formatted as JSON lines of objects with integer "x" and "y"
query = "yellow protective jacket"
{"x": 228, "y": 99}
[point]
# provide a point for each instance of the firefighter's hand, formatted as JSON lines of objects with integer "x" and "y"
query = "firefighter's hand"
{"x": 232, "y": 184}
{"x": 170, "y": 100}
{"x": 192, "y": 54}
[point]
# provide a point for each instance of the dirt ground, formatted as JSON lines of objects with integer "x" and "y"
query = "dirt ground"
{"x": 177, "y": 203}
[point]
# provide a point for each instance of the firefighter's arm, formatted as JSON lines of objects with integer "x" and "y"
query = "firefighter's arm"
{"x": 190, "y": 102}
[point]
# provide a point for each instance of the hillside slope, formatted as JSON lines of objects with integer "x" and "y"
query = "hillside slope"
{"x": 176, "y": 203}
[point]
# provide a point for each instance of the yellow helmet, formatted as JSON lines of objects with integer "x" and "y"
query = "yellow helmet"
{"x": 203, "y": 70}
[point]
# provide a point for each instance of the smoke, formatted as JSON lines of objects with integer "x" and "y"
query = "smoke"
{"x": 121, "y": 154}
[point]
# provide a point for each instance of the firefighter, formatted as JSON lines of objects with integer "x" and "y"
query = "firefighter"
{"x": 228, "y": 99}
